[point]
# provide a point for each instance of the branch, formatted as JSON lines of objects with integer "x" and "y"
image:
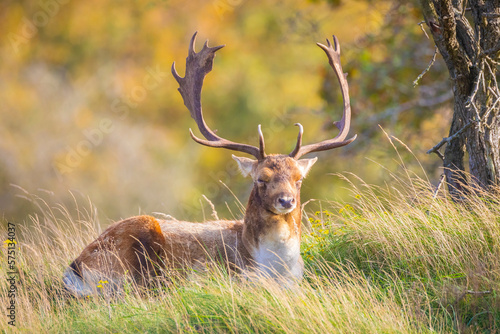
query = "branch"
{"x": 422, "y": 28}
{"x": 473, "y": 293}
{"x": 491, "y": 15}
{"x": 470, "y": 100}
{"x": 421, "y": 75}
{"x": 426, "y": 102}
{"x": 449, "y": 139}
{"x": 441, "y": 181}
{"x": 493, "y": 50}
{"x": 490, "y": 109}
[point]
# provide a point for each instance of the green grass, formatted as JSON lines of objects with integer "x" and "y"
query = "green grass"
{"x": 393, "y": 260}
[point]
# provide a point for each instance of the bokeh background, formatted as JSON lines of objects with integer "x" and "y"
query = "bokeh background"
{"x": 89, "y": 109}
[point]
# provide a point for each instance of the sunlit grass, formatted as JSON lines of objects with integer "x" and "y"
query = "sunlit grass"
{"x": 399, "y": 259}
{"x": 443, "y": 256}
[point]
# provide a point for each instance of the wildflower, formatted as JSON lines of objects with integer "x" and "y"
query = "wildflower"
{"x": 347, "y": 207}
{"x": 101, "y": 282}
{"x": 7, "y": 242}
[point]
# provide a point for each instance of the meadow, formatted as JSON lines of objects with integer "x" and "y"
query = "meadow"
{"x": 403, "y": 258}
{"x": 386, "y": 250}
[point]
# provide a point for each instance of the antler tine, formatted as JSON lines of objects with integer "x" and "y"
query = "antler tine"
{"x": 299, "y": 140}
{"x": 333, "y": 54}
{"x": 192, "y": 43}
{"x": 262, "y": 145}
{"x": 198, "y": 65}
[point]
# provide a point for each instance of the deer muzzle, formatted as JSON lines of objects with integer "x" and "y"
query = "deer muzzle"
{"x": 284, "y": 203}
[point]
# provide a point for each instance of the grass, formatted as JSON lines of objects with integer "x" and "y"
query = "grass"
{"x": 393, "y": 260}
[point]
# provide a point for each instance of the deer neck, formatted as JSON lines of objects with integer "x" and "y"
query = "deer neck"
{"x": 271, "y": 238}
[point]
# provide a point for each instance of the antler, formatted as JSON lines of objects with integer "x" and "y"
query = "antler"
{"x": 198, "y": 65}
{"x": 333, "y": 53}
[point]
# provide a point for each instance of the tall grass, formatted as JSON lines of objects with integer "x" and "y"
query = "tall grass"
{"x": 395, "y": 259}
{"x": 442, "y": 255}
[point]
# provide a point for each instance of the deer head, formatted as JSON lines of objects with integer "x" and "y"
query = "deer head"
{"x": 277, "y": 178}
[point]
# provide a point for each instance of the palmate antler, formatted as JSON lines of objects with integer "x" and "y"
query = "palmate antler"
{"x": 333, "y": 54}
{"x": 198, "y": 65}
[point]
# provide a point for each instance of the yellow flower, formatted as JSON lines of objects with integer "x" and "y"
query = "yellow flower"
{"x": 346, "y": 207}
{"x": 339, "y": 231}
{"x": 101, "y": 282}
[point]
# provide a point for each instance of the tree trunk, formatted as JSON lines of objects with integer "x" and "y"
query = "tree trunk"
{"x": 453, "y": 161}
{"x": 469, "y": 41}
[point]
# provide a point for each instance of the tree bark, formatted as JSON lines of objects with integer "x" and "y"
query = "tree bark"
{"x": 469, "y": 44}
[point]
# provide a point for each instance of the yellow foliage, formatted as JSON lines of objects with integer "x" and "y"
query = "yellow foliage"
{"x": 76, "y": 113}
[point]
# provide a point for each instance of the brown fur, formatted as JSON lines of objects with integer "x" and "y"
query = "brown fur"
{"x": 195, "y": 244}
{"x": 133, "y": 245}
{"x": 281, "y": 174}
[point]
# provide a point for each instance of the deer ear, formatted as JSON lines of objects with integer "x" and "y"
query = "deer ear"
{"x": 305, "y": 165}
{"x": 245, "y": 164}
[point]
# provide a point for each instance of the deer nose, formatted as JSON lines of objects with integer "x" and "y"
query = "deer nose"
{"x": 286, "y": 202}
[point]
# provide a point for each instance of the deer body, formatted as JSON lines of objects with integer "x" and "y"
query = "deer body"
{"x": 143, "y": 246}
{"x": 266, "y": 243}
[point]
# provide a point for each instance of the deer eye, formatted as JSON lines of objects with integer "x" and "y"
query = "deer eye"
{"x": 261, "y": 181}
{"x": 298, "y": 183}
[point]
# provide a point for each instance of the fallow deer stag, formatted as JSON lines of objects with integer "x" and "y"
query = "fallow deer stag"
{"x": 266, "y": 242}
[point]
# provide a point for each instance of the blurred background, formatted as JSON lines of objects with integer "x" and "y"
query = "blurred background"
{"x": 89, "y": 109}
